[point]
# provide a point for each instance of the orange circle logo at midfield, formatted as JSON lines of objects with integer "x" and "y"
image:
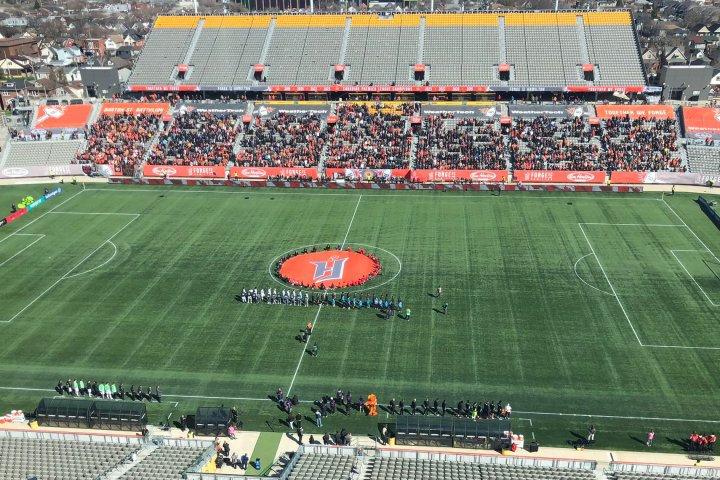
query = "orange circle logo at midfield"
{"x": 329, "y": 269}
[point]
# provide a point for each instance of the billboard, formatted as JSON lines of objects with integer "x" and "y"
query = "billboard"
{"x": 42, "y": 171}
{"x": 477, "y": 176}
{"x": 701, "y": 122}
{"x": 54, "y": 117}
{"x": 664, "y": 178}
{"x": 210, "y": 171}
{"x": 550, "y": 111}
{"x": 491, "y": 111}
{"x": 661, "y": 112}
{"x": 269, "y": 110}
{"x": 366, "y": 174}
{"x": 214, "y": 107}
{"x": 134, "y": 108}
{"x": 265, "y": 172}
{"x": 558, "y": 176}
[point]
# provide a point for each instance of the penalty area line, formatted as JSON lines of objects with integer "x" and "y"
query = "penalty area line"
{"x": 69, "y": 272}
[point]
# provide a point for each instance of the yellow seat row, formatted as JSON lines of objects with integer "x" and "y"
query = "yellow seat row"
{"x": 513, "y": 19}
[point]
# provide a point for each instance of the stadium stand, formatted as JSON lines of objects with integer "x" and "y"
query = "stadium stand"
{"x": 470, "y": 143}
{"x": 541, "y": 49}
{"x": 383, "y": 468}
{"x": 314, "y": 466}
{"x": 196, "y": 138}
{"x": 38, "y": 458}
{"x": 284, "y": 141}
{"x": 40, "y": 153}
{"x": 704, "y": 159}
{"x": 369, "y": 139}
{"x": 646, "y": 476}
{"x": 120, "y": 140}
{"x": 164, "y": 463}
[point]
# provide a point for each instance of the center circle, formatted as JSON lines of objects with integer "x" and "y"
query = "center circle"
{"x": 328, "y": 269}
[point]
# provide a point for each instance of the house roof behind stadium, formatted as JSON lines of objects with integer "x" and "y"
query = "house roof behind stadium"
{"x": 475, "y": 52}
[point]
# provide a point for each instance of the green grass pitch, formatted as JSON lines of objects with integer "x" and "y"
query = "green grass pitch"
{"x": 566, "y": 305}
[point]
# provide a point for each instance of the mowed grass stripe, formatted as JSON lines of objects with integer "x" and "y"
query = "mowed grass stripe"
{"x": 522, "y": 327}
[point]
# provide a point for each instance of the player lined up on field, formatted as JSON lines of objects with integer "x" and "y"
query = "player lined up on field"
{"x": 108, "y": 391}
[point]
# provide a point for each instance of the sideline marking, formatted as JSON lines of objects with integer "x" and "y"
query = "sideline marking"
{"x": 408, "y": 193}
{"x": 40, "y": 237}
{"x": 690, "y": 275}
{"x": 610, "y": 284}
{"x": 690, "y": 229}
{"x": 137, "y": 215}
{"x": 633, "y": 224}
{"x": 17, "y": 232}
{"x": 266, "y": 399}
{"x": 317, "y": 315}
{"x": 586, "y": 283}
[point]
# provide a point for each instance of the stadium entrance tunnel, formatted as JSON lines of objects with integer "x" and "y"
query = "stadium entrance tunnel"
{"x": 330, "y": 268}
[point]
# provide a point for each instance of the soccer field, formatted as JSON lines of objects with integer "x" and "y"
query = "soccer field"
{"x": 563, "y": 304}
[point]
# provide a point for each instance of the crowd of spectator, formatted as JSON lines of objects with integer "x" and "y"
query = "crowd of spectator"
{"x": 286, "y": 140}
{"x": 470, "y": 143}
{"x": 641, "y": 144}
{"x": 119, "y": 141}
{"x": 367, "y": 137}
{"x": 196, "y": 138}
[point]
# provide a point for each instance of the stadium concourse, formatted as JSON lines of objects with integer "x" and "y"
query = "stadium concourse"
{"x": 50, "y": 453}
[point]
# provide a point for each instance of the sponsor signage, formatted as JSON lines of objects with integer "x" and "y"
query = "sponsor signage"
{"x": 134, "y": 108}
{"x": 393, "y": 88}
{"x": 665, "y": 178}
{"x": 268, "y": 110}
{"x": 558, "y": 176}
{"x": 476, "y": 176}
{"x": 214, "y": 107}
{"x": 210, "y": 171}
{"x": 53, "y": 193}
{"x": 661, "y": 112}
{"x": 51, "y": 117}
{"x": 366, "y": 174}
{"x": 265, "y": 172}
{"x": 701, "y": 122}
{"x": 36, "y": 203}
{"x": 491, "y": 111}
{"x": 14, "y": 216}
{"x": 550, "y": 111}
{"x": 41, "y": 171}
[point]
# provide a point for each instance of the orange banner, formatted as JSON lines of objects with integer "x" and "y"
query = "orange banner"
{"x": 478, "y": 176}
{"x": 558, "y": 176}
{"x": 265, "y": 172}
{"x": 210, "y": 171}
{"x": 661, "y": 112}
{"x": 701, "y": 122}
{"x": 134, "y": 108}
{"x": 62, "y": 116}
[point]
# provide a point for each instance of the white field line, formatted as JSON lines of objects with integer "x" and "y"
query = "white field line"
{"x": 627, "y": 317}
{"x": 582, "y": 280}
{"x": 115, "y": 251}
{"x": 95, "y": 213}
{"x": 551, "y": 414}
{"x": 137, "y": 215}
{"x": 40, "y": 237}
{"x": 634, "y": 224}
{"x": 690, "y": 275}
{"x": 409, "y": 193}
{"x": 317, "y": 315}
{"x": 17, "y": 232}
{"x": 690, "y": 230}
